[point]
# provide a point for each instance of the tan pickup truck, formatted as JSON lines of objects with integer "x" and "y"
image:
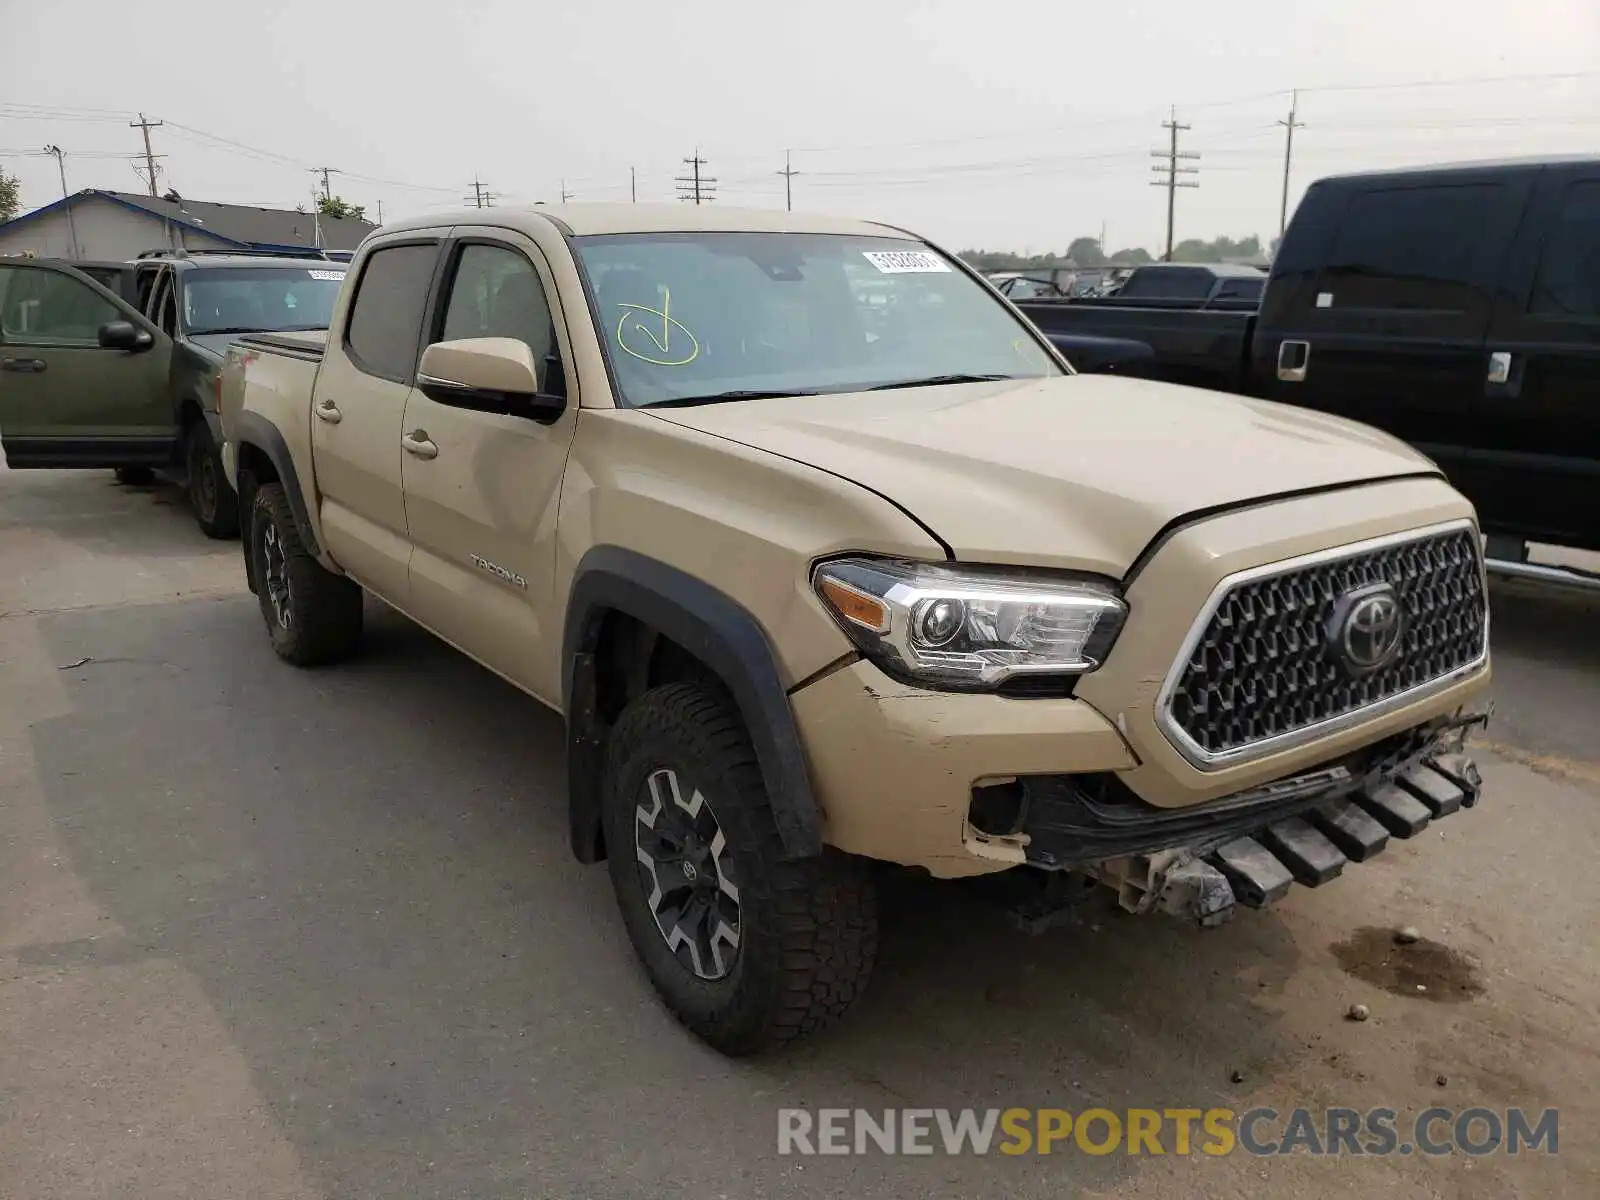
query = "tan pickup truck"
{"x": 827, "y": 556}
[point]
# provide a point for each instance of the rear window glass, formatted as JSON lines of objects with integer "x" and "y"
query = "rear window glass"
{"x": 1569, "y": 268}
{"x": 385, "y": 325}
{"x": 1174, "y": 283}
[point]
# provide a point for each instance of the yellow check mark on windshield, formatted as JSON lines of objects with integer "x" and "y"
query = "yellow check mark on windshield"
{"x": 661, "y": 343}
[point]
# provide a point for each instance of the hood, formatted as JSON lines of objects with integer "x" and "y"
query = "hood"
{"x": 1078, "y": 472}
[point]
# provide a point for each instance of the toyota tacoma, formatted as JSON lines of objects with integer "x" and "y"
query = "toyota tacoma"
{"x": 826, "y": 556}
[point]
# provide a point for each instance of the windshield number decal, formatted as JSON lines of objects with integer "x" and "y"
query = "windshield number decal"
{"x": 906, "y": 262}
{"x": 648, "y": 334}
{"x": 326, "y": 274}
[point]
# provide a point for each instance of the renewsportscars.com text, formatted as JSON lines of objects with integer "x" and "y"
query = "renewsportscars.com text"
{"x": 1349, "y": 1132}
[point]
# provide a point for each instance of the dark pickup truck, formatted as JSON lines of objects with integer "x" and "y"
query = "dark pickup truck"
{"x": 1457, "y": 308}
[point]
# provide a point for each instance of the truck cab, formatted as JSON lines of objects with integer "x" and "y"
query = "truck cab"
{"x": 1458, "y": 308}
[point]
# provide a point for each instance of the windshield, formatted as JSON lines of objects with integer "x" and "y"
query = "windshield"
{"x": 695, "y": 316}
{"x": 259, "y": 299}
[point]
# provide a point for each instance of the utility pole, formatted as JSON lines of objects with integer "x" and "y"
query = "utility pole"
{"x": 633, "y": 183}
{"x": 327, "y": 188}
{"x": 150, "y": 157}
{"x": 696, "y": 186}
{"x": 380, "y": 212}
{"x": 565, "y": 195}
{"x": 481, "y": 196}
{"x": 316, "y": 219}
{"x": 1169, "y": 174}
{"x": 72, "y": 227}
{"x": 1289, "y": 127}
{"x": 788, "y": 174}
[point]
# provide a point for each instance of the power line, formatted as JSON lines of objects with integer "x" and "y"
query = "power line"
{"x": 1289, "y": 127}
{"x": 72, "y": 225}
{"x": 1169, "y": 175}
{"x": 327, "y": 187}
{"x": 151, "y": 170}
{"x": 696, "y": 186}
{"x": 481, "y": 196}
{"x": 788, "y": 174}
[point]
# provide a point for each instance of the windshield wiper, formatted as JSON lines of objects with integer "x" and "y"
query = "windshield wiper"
{"x": 936, "y": 380}
{"x": 718, "y": 397}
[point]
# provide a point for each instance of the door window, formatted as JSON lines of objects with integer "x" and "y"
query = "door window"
{"x": 385, "y": 325}
{"x": 165, "y": 312}
{"x": 48, "y": 308}
{"x": 1427, "y": 248}
{"x": 1569, "y": 270}
{"x": 496, "y": 293}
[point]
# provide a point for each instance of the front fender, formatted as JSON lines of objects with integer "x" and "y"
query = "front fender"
{"x": 719, "y": 632}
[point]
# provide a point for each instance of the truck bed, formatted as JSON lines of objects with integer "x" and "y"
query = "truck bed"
{"x": 308, "y": 344}
{"x": 1201, "y": 347}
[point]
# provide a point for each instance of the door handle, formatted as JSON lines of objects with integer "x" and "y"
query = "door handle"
{"x": 1294, "y": 360}
{"x": 24, "y": 366}
{"x": 329, "y": 412}
{"x": 416, "y": 443}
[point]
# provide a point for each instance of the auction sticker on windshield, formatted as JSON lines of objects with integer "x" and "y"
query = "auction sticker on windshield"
{"x": 904, "y": 262}
{"x": 326, "y": 274}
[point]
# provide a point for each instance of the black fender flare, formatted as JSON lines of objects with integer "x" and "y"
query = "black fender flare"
{"x": 723, "y": 635}
{"x": 252, "y": 429}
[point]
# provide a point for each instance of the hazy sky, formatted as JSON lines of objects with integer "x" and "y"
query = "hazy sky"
{"x": 1000, "y": 123}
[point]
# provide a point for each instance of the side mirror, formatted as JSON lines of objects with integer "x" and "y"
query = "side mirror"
{"x": 124, "y": 335}
{"x": 492, "y": 375}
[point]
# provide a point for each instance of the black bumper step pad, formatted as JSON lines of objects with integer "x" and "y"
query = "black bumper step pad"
{"x": 1357, "y": 834}
{"x": 1396, "y": 809}
{"x": 1311, "y": 858}
{"x": 1257, "y": 877}
{"x": 1437, "y": 792}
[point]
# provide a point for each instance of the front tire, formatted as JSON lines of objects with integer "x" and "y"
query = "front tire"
{"x": 215, "y": 504}
{"x": 313, "y": 616}
{"x": 748, "y": 950}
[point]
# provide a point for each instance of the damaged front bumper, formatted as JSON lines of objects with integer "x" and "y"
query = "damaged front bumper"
{"x": 1202, "y": 862}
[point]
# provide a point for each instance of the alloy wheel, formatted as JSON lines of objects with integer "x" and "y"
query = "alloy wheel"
{"x": 684, "y": 867}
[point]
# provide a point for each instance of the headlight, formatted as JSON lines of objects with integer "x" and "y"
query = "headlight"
{"x": 969, "y": 629}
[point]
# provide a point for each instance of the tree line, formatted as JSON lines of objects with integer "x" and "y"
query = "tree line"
{"x": 1087, "y": 252}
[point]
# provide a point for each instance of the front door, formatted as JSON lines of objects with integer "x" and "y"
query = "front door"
{"x": 356, "y": 412}
{"x": 481, "y": 495}
{"x": 75, "y": 390}
{"x": 1541, "y": 377}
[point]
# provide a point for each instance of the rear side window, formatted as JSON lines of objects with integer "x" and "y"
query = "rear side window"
{"x": 1240, "y": 289}
{"x": 1420, "y": 248}
{"x": 385, "y": 325}
{"x": 1569, "y": 268}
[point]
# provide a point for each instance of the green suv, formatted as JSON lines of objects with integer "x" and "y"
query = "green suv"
{"x": 117, "y": 364}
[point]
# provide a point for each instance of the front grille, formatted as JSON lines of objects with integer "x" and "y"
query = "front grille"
{"x": 1261, "y": 669}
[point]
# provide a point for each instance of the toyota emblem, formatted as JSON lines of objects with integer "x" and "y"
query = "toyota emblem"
{"x": 1367, "y": 628}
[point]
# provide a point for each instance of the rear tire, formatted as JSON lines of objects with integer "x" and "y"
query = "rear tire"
{"x": 135, "y": 476}
{"x": 748, "y": 950}
{"x": 313, "y": 616}
{"x": 215, "y": 504}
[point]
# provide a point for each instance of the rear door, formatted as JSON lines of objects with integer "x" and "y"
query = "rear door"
{"x": 1541, "y": 382}
{"x": 65, "y": 399}
{"x": 1390, "y": 331}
